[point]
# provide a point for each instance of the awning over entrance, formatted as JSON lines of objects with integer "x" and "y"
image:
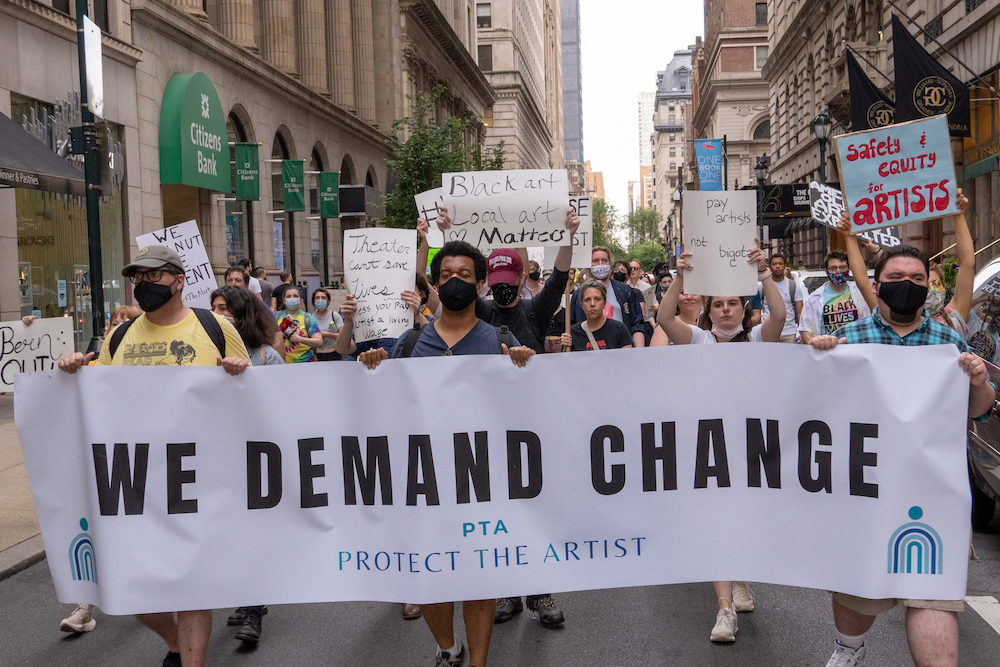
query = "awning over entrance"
{"x": 25, "y": 162}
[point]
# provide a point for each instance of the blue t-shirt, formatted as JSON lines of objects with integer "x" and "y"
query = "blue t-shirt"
{"x": 481, "y": 340}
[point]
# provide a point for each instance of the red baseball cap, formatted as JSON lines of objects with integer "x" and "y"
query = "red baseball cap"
{"x": 504, "y": 266}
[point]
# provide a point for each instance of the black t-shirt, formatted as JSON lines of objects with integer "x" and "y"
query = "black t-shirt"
{"x": 612, "y": 336}
{"x": 530, "y": 331}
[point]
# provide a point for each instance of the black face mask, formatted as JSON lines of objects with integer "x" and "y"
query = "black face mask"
{"x": 904, "y": 297}
{"x": 504, "y": 294}
{"x": 457, "y": 295}
{"x": 535, "y": 275}
{"x": 152, "y": 296}
{"x": 620, "y": 276}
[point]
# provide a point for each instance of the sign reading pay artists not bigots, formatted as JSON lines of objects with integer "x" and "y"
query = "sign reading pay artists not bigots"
{"x": 185, "y": 240}
{"x": 507, "y": 209}
{"x": 719, "y": 233}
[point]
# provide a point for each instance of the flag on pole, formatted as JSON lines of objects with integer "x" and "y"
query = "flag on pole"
{"x": 870, "y": 107}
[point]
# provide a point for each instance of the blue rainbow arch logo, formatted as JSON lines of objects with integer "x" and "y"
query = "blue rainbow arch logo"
{"x": 915, "y": 548}
{"x": 82, "y": 560}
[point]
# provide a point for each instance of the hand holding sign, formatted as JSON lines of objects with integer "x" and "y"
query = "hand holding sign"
{"x": 379, "y": 264}
{"x": 428, "y": 208}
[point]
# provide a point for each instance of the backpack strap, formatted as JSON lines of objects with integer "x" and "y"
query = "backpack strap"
{"x": 410, "y": 340}
{"x": 504, "y": 337}
{"x": 212, "y": 328}
{"x": 118, "y": 334}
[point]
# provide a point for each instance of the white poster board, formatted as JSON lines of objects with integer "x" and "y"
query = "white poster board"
{"x": 583, "y": 240}
{"x": 428, "y": 207}
{"x": 507, "y": 209}
{"x": 36, "y": 347}
{"x": 379, "y": 263}
{"x": 185, "y": 239}
{"x": 719, "y": 232}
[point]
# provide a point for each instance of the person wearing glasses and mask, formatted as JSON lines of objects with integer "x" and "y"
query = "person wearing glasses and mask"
{"x": 835, "y": 304}
{"x": 636, "y": 280}
{"x": 624, "y": 303}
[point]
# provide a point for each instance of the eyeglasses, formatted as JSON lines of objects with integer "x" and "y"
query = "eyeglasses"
{"x": 837, "y": 269}
{"x": 151, "y": 276}
{"x": 937, "y": 284}
{"x": 636, "y": 268}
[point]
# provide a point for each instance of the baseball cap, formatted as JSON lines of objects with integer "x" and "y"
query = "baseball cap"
{"x": 153, "y": 257}
{"x": 504, "y": 265}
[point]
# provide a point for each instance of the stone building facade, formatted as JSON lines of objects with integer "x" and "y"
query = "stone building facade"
{"x": 520, "y": 52}
{"x": 669, "y": 146}
{"x": 572, "y": 79}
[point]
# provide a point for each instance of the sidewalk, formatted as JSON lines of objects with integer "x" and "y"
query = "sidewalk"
{"x": 20, "y": 541}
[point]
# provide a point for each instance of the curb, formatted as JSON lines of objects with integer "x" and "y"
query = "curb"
{"x": 21, "y": 556}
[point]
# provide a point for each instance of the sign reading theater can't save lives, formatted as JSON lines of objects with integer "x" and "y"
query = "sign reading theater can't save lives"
{"x": 194, "y": 144}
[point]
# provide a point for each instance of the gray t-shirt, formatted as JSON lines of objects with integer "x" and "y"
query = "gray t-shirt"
{"x": 333, "y": 318}
{"x": 481, "y": 340}
{"x": 271, "y": 356}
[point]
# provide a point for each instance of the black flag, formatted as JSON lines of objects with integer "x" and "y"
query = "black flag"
{"x": 870, "y": 107}
{"x": 923, "y": 87}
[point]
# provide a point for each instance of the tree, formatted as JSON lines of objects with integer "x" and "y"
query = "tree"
{"x": 606, "y": 223}
{"x": 644, "y": 225}
{"x": 430, "y": 150}
{"x": 648, "y": 253}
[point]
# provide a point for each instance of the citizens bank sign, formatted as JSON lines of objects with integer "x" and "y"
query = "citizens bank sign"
{"x": 194, "y": 144}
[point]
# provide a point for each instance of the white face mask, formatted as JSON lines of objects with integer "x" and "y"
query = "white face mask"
{"x": 600, "y": 271}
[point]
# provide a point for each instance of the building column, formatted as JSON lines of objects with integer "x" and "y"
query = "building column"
{"x": 388, "y": 63}
{"x": 364, "y": 59}
{"x": 236, "y": 22}
{"x": 340, "y": 53}
{"x": 310, "y": 24}
{"x": 278, "y": 28}
{"x": 192, "y": 7}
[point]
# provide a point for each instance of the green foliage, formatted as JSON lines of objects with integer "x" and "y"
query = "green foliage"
{"x": 607, "y": 222}
{"x": 648, "y": 253}
{"x": 430, "y": 150}
{"x": 950, "y": 269}
{"x": 644, "y": 225}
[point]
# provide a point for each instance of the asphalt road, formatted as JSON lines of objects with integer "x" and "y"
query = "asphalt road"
{"x": 663, "y": 625}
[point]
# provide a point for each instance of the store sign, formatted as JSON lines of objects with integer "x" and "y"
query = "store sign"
{"x": 247, "y": 172}
{"x": 194, "y": 142}
{"x": 293, "y": 184}
{"x": 329, "y": 194}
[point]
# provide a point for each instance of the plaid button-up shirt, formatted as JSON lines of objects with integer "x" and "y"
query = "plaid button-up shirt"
{"x": 875, "y": 330}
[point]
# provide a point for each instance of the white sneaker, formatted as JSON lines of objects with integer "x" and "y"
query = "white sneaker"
{"x": 725, "y": 626}
{"x": 742, "y": 596}
{"x": 80, "y": 620}
{"x": 846, "y": 657}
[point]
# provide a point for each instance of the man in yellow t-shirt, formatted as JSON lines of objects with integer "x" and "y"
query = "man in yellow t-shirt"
{"x": 168, "y": 333}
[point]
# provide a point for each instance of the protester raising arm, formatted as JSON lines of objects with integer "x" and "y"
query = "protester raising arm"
{"x": 961, "y": 301}
{"x": 855, "y": 261}
{"x": 345, "y": 343}
{"x": 666, "y": 314}
{"x": 425, "y": 248}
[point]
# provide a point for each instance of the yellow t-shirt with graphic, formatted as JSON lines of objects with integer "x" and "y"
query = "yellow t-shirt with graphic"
{"x": 183, "y": 344}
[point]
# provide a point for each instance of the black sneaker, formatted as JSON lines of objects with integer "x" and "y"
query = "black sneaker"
{"x": 250, "y": 630}
{"x": 172, "y": 660}
{"x": 506, "y": 608}
{"x": 549, "y": 615}
{"x": 445, "y": 659}
{"x": 236, "y": 618}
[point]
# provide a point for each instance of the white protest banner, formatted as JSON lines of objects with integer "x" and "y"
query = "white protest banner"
{"x": 36, "y": 347}
{"x": 897, "y": 174}
{"x": 826, "y": 204}
{"x": 719, "y": 233}
{"x": 379, "y": 263}
{"x": 583, "y": 240}
{"x": 185, "y": 239}
{"x": 507, "y": 209}
{"x": 428, "y": 207}
{"x": 399, "y": 496}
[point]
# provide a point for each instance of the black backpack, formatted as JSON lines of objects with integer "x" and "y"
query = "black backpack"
{"x": 486, "y": 315}
{"x": 208, "y": 322}
{"x": 504, "y": 337}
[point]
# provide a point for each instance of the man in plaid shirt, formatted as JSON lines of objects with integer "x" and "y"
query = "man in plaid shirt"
{"x": 901, "y": 283}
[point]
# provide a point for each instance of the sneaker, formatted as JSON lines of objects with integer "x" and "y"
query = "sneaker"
{"x": 80, "y": 620}
{"x": 410, "y": 612}
{"x": 172, "y": 660}
{"x": 846, "y": 657}
{"x": 742, "y": 596}
{"x": 250, "y": 630}
{"x": 506, "y": 608}
{"x": 236, "y": 618}
{"x": 445, "y": 659}
{"x": 549, "y": 615}
{"x": 725, "y": 626}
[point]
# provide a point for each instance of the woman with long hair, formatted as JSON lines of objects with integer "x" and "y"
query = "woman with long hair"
{"x": 253, "y": 321}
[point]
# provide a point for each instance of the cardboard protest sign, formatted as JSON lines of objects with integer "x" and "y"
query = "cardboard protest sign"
{"x": 507, "y": 209}
{"x": 719, "y": 232}
{"x": 583, "y": 240}
{"x": 185, "y": 239}
{"x": 898, "y": 174}
{"x": 428, "y": 206}
{"x": 36, "y": 347}
{"x": 379, "y": 263}
{"x": 826, "y": 205}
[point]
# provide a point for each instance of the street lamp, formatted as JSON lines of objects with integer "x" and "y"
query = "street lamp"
{"x": 761, "y": 172}
{"x": 821, "y": 127}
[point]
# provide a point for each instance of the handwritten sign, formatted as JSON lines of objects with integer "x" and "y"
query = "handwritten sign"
{"x": 719, "y": 232}
{"x": 378, "y": 265}
{"x": 185, "y": 239}
{"x": 507, "y": 209}
{"x": 428, "y": 207}
{"x": 827, "y": 204}
{"x": 898, "y": 174}
{"x": 37, "y": 347}
{"x": 583, "y": 240}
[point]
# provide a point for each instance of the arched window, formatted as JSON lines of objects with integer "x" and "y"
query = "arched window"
{"x": 239, "y": 214}
{"x": 284, "y": 238}
{"x": 762, "y": 131}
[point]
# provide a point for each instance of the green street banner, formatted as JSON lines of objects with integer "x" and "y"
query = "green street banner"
{"x": 247, "y": 172}
{"x": 398, "y": 496}
{"x": 329, "y": 194}
{"x": 293, "y": 184}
